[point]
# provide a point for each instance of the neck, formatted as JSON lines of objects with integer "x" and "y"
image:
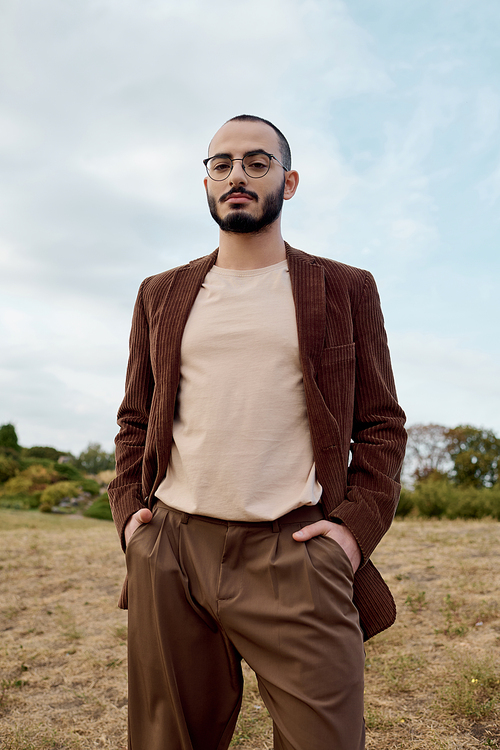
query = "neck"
{"x": 244, "y": 252}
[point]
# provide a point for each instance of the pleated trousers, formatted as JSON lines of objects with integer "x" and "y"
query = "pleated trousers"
{"x": 204, "y": 593}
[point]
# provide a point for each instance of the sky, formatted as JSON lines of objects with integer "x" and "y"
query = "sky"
{"x": 392, "y": 111}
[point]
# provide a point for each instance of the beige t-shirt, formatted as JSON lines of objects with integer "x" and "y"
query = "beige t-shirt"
{"x": 241, "y": 442}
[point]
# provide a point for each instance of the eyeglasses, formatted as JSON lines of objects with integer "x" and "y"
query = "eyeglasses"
{"x": 255, "y": 164}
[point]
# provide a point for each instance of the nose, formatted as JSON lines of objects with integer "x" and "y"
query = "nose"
{"x": 238, "y": 175}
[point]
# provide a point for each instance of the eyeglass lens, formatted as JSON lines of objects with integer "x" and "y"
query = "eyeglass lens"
{"x": 255, "y": 165}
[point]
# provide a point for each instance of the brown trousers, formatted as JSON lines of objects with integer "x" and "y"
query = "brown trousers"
{"x": 204, "y": 593}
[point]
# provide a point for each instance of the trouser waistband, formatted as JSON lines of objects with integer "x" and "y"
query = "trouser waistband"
{"x": 305, "y": 514}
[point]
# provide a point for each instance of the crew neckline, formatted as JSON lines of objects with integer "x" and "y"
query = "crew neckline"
{"x": 249, "y": 271}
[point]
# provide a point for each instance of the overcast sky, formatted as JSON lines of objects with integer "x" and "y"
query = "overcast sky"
{"x": 392, "y": 110}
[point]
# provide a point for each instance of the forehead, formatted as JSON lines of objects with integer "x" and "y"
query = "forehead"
{"x": 238, "y": 137}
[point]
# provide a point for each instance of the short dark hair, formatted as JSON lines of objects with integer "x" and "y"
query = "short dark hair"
{"x": 286, "y": 154}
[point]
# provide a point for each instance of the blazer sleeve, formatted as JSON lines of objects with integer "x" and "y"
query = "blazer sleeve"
{"x": 378, "y": 437}
{"x": 125, "y": 491}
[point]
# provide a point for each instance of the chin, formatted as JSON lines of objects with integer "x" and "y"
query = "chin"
{"x": 241, "y": 221}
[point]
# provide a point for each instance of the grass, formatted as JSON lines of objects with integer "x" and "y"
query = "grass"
{"x": 432, "y": 680}
{"x": 472, "y": 692}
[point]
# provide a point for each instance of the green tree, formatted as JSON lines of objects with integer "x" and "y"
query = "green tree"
{"x": 8, "y": 437}
{"x": 475, "y": 454}
{"x": 94, "y": 459}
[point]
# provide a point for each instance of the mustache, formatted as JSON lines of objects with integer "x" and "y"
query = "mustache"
{"x": 240, "y": 191}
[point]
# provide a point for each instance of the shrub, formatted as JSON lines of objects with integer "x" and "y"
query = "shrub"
{"x": 406, "y": 503}
{"x": 100, "y": 508}
{"x": 34, "y": 499}
{"x": 494, "y": 501}
{"x": 52, "y": 495}
{"x": 36, "y": 477}
{"x": 90, "y": 485}
{"x": 432, "y": 498}
{"x": 40, "y": 476}
{"x": 20, "y": 484}
{"x": 441, "y": 498}
{"x": 26, "y": 462}
{"x": 469, "y": 502}
{"x": 43, "y": 451}
{"x": 20, "y": 501}
{"x": 68, "y": 471}
{"x": 105, "y": 477}
{"x": 8, "y": 466}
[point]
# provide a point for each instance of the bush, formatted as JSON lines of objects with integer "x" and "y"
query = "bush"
{"x": 20, "y": 484}
{"x": 105, "y": 477}
{"x": 20, "y": 501}
{"x": 42, "y": 451}
{"x": 36, "y": 477}
{"x": 68, "y": 471}
{"x": 471, "y": 502}
{"x": 405, "y": 504}
{"x": 100, "y": 508}
{"x": 26, "y": 462}
{"x": 40, "y": 476}
{"x": 8, "y": 466}
{"x": 441, "y": 498}
{"x": 53, "y": 495}
{"x": 494, "y": 500}
{"x": 431, "y": 498}
{"x": 90, "y": 485}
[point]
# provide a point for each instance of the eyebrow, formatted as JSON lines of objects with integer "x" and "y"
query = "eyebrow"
{"x": 248, "y": 153}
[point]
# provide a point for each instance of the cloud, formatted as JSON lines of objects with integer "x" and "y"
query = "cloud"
{"x": 441, "y": 381}
{"x": 107, "y": 108}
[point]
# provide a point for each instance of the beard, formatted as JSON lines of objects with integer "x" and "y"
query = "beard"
{"x": 241, "y": 222}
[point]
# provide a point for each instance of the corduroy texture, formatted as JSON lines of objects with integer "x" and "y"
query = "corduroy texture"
{"x": 350, "y": 396}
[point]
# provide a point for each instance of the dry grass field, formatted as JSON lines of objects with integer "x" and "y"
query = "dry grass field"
{"x": 432, "y": 681}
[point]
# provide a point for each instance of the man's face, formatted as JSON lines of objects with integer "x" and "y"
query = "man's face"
{"x": 240, "y": 203}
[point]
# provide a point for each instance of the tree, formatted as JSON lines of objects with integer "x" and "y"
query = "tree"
{"x": 475, "y": 454}
{"x": 8, "y": 437}
{"x": 94, "y": 459}
{"x": 427, "y": 452}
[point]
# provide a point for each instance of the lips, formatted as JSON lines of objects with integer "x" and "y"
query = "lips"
{"x": 239, "y": 198}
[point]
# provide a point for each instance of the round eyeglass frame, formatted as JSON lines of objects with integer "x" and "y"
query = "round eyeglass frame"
{"x": 250, "y": 153}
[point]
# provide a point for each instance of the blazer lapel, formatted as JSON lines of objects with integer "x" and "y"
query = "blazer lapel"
{"x": 179, "y": 300}
{"x": 308, "y": 287}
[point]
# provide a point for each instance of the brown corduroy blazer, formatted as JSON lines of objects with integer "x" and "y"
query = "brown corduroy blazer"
{"x": 350, "y": 397}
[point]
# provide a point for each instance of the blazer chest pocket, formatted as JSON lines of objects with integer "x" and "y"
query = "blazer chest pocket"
{"x": 336, "y": 379}
{"x": 338, "y": 357}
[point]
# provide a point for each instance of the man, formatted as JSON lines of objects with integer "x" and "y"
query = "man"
{"x": 253, "y": 372}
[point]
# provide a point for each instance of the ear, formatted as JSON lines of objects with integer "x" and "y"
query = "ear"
{"x": 205, "y": 182}
{"x": 291, "y": 184}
